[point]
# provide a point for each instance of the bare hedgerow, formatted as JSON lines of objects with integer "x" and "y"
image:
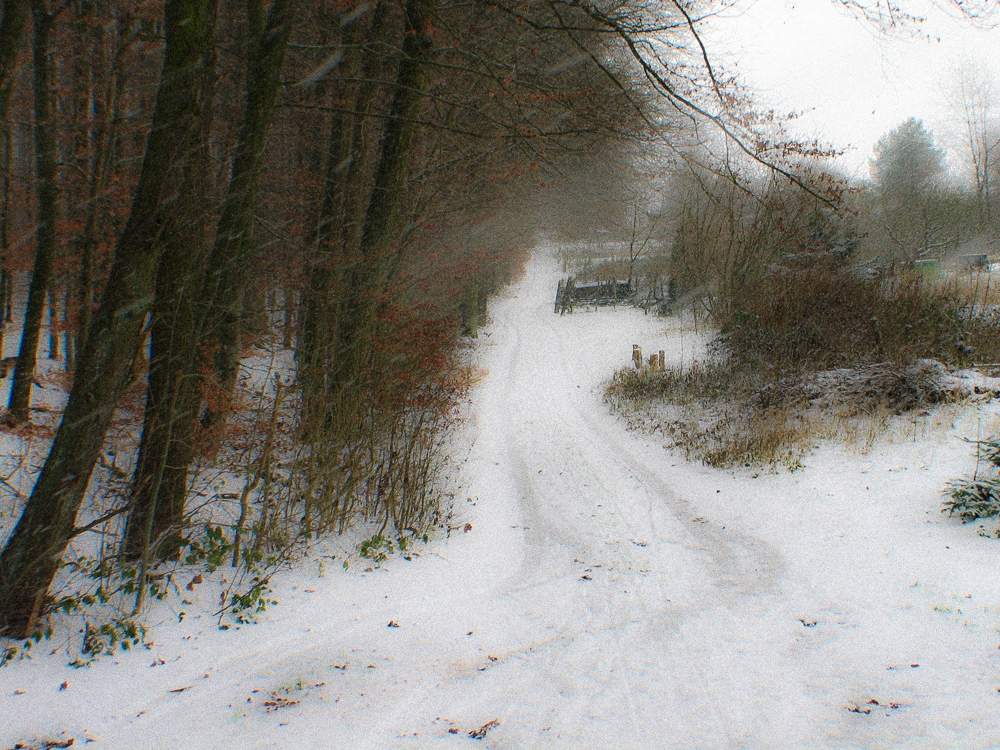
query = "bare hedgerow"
{"x": 820, "y": 351}
{"x": 826, "y": 316}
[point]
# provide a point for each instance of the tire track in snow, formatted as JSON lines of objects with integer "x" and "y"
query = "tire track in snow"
{"x": 741, "y": 563}
{"x": 539, "y": 384}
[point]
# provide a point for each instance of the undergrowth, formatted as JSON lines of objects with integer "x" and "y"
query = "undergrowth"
{"x": 823, "y": 317}
{"x": 821, "y": 352}
{"x": 104, "y": 594}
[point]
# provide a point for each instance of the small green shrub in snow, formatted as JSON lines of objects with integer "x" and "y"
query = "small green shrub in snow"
{"x": 247, "y": 605}
{"x": 13, "y": 652}
{"x": 108, "y": 637}
{"x": 972, "y": 499}
{"x": 978, "y": 497}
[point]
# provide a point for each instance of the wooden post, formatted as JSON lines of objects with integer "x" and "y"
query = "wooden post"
{"x": 637, "y": 356}
{"x": 653, "y": 362}
{"x": 662, "y": 361}
{"x": 568, "y": 295}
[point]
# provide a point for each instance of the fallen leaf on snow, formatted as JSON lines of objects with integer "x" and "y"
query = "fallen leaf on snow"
{"x": 46, "y": 744}
{"x": 478, "y": 734}
{"x": 870, "y": 705}
{"x": 279, "y": 701}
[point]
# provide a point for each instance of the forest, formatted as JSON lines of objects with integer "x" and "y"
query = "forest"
{"x": 179, "y": 175}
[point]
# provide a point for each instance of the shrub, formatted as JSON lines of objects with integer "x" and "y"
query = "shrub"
{"x": 824, "y": 316}
{"x": 975, "y": 498}
{"x": 629, "y": 386}
{"x": 808, "y": 340}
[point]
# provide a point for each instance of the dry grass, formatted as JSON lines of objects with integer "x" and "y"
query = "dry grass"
{"x": 814, "y": 354}
{"x": 705, "y": 413}
{"x": 733, "y": 426}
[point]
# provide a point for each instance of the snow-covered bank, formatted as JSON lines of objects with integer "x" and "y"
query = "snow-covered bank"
{"x": 605, "y": 595}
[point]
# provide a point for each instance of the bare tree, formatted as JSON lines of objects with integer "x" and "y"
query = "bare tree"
{"x": 48, "y": 193}
{"x": 972, "y": 100}
{"x": 31, "y": 557}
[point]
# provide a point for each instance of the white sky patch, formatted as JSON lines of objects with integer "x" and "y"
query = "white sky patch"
{"x": 850, "y": 84}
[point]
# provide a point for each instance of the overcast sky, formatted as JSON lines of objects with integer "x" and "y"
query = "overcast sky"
{"x": 851, "y": 84}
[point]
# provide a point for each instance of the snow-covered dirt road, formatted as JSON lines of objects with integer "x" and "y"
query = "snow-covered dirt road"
{"x": 597, "y": 592}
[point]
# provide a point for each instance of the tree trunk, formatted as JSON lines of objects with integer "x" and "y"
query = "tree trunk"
{"x": 183, "y": 320}
{"x": 69, "y": 339}
{"x": 364, "y": 284}
{"x": 8, "y": 298}
{"x": 5, "y": 276}
{"x": 45, "y": 237}
{"x": 318, "y": 311}
{"x": 159, "y": 484}
{"x": 229, "y": 261}
{"x": 106, "y": 127}
{"x": 53, "y": 323}
{"x": 172, "y": 400}
{"x": 31, "y": 556}
{"x": 340, "y": 218}
{"x": 13, "y": 15}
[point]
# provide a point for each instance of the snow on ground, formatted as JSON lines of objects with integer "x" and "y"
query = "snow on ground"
{"x": 607, "y": 595}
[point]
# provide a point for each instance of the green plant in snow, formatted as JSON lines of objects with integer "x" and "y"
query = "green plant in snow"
{"x": 970, "y": 499}
{"x": 108, "y": 576}
{"x": 978, "y": 497}
{"x": 212, "y": 548}
{"x": 12, "y": 653}
{"x": 107, "y": 637}
{"x": 109, "y": 581}
{"x": 246, "y": 606}
{"x": 377, "y": 548}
